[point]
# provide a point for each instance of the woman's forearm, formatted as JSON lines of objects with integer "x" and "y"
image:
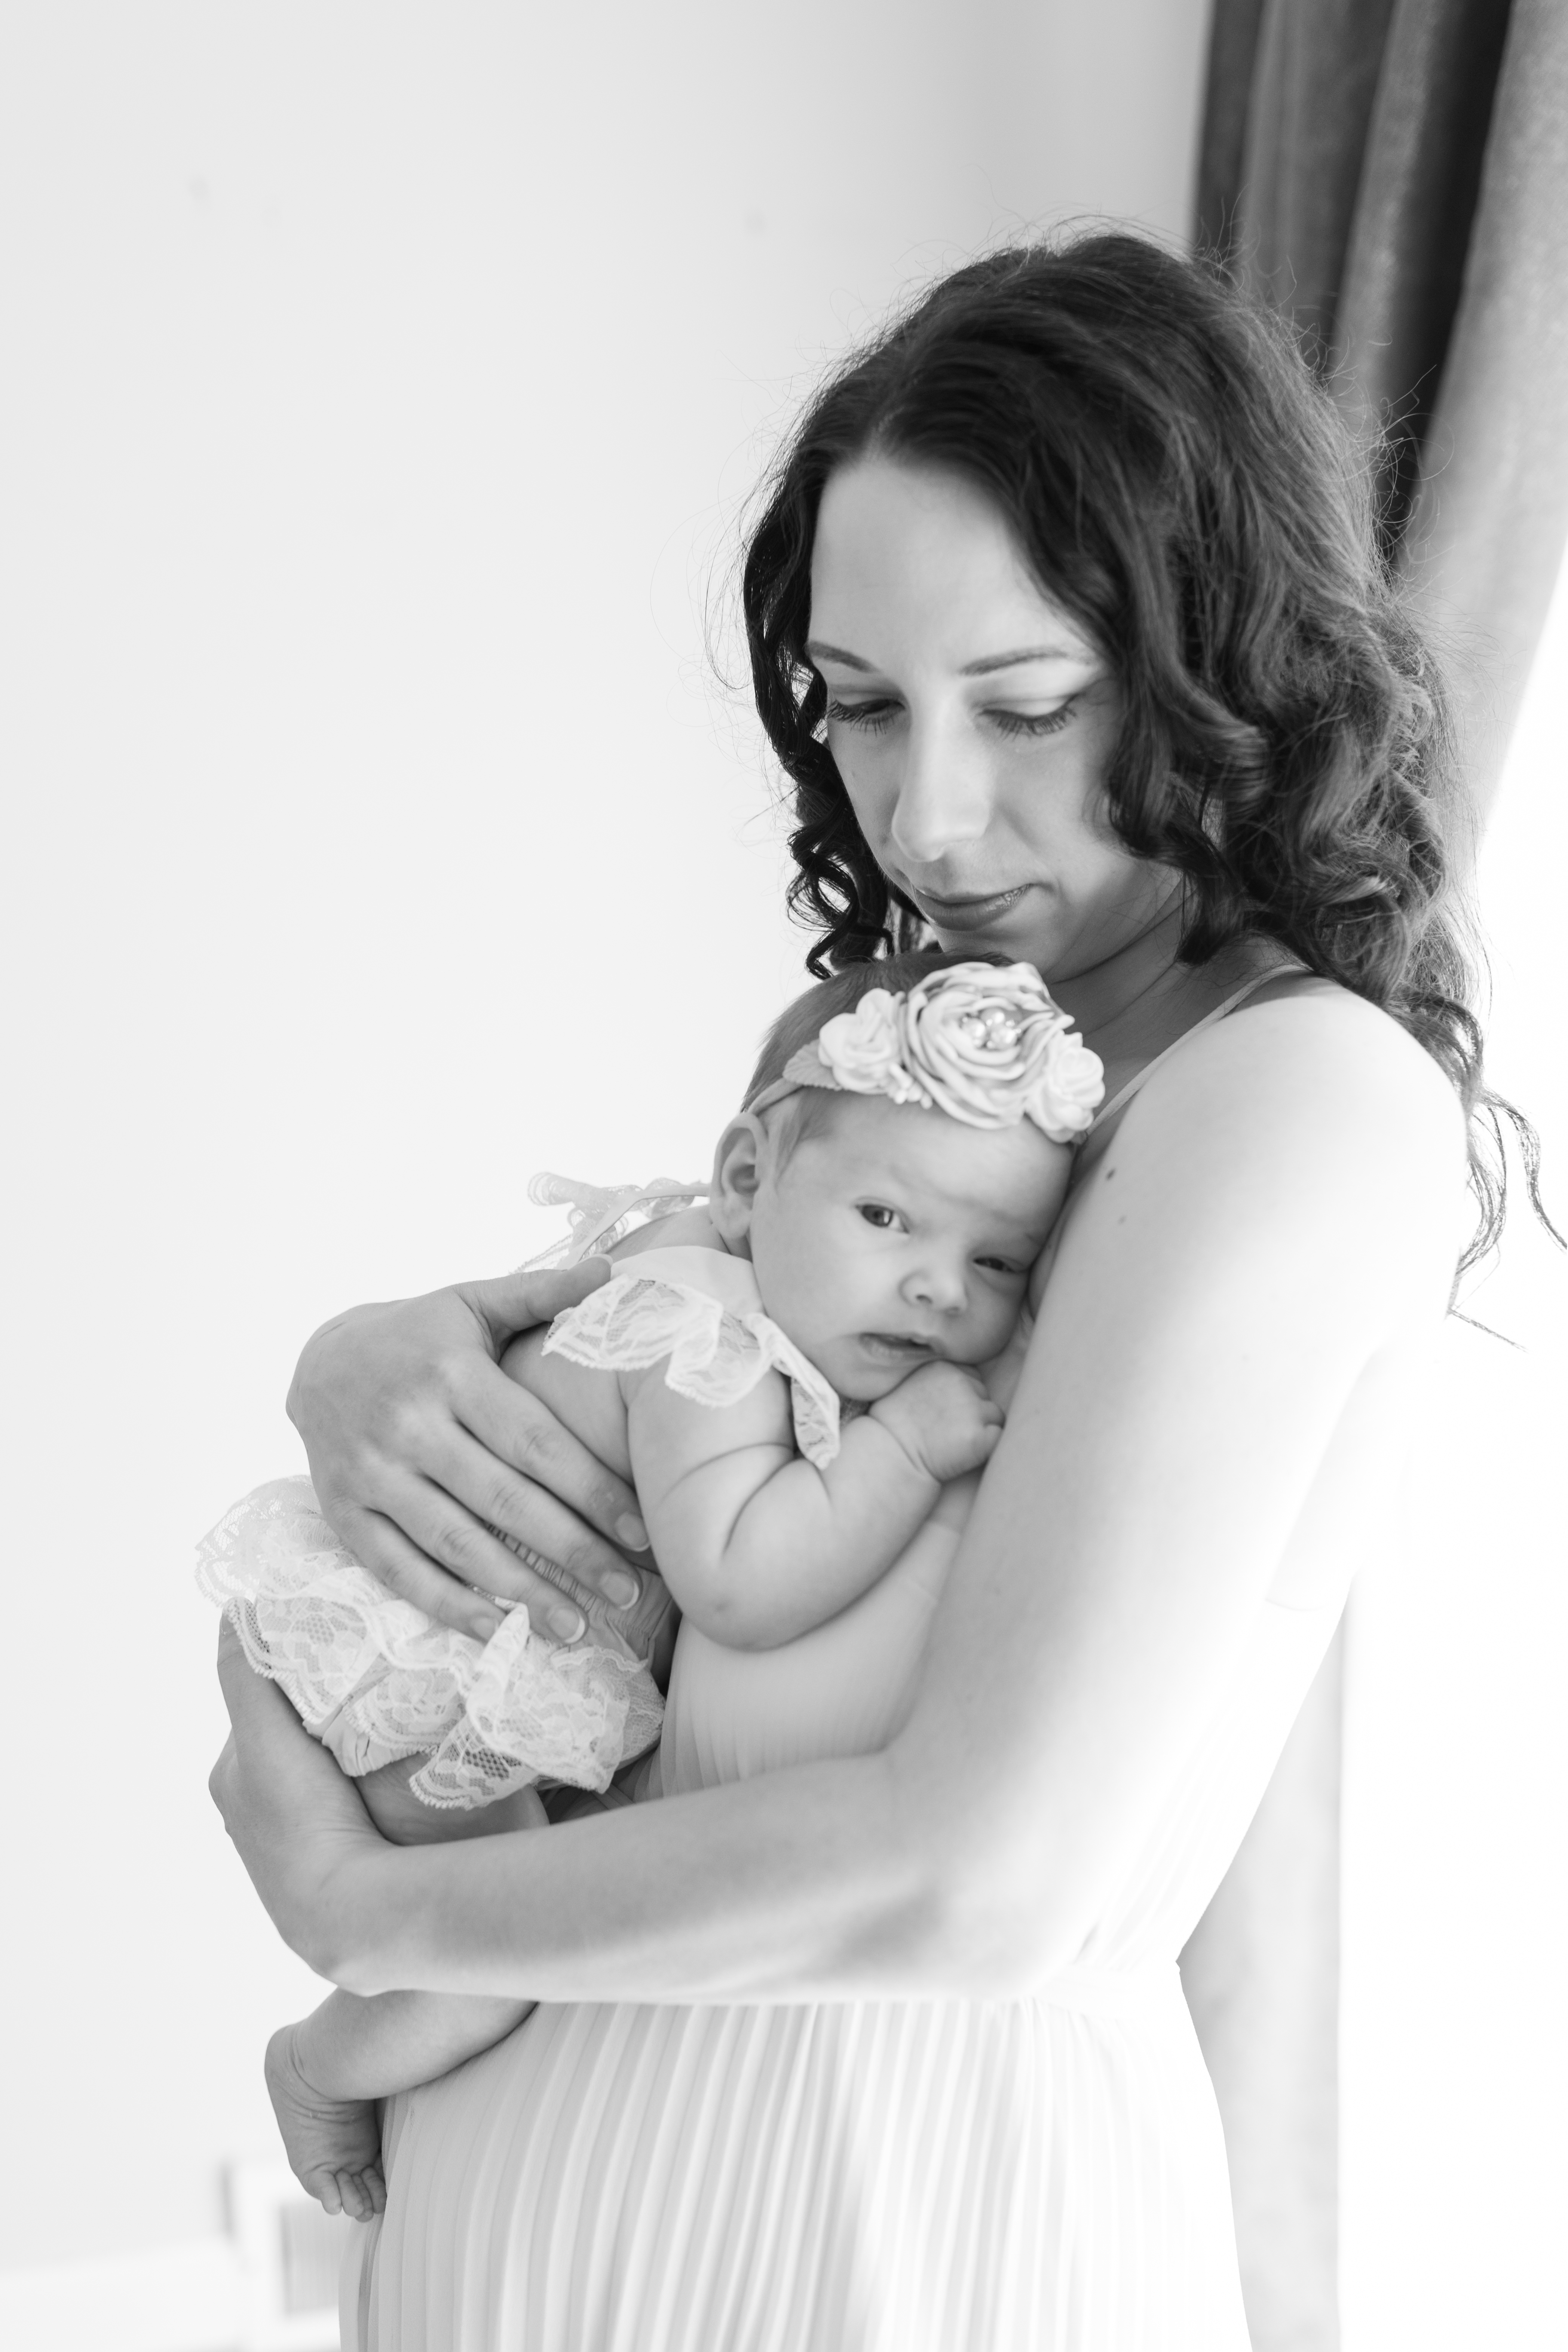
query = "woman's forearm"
{"x": 817, "y": 1882}
{"x": 796, "y": 1885}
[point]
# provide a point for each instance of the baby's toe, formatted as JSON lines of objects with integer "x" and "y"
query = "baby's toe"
{"x": 324, "y": 2187}
{"x": 352, "y": 2198}
{"x": 363, "y": 2193}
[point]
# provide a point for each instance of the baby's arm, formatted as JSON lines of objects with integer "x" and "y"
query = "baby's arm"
{"x": 757, "y": 1545}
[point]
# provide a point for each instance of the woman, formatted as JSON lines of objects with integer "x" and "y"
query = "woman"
{"x": 1067, "y": 627}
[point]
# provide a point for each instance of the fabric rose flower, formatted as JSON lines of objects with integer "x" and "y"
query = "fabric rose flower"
{"x": 1070, "y": 1090}
{"x": 982, "y": 1042}
{"x": 988, "y": 1046}
{"x": 864, "y": 1049}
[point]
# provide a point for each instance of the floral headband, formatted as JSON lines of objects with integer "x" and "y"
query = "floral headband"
{"x": 983, "y": 1042}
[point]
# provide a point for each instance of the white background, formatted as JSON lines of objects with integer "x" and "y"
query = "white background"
{"x": 380, "y": 388}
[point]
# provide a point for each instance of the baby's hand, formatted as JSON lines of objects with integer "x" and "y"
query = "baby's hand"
{"x": 333, "y": 2146}
{"x": 942, "y": 1418}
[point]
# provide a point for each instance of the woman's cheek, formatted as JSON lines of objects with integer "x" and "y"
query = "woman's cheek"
{"x": 872, "y": 802}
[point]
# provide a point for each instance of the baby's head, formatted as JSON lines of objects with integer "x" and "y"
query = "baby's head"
{"x": 894, "y": 1180}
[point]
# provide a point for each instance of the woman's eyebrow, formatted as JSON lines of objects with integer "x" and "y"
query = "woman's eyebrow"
{"x": 981, "y": 669}
{"x": 1027, "y": 654}
{"x": 820, "y": 652}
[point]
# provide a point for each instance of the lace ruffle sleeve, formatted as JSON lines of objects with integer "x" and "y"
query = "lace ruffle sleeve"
{"x": 374, "y": 1679}
{"x": 713, "y": 1351}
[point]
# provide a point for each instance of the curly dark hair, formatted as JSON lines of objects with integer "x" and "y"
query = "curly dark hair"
{"x": 1183, "y": 487}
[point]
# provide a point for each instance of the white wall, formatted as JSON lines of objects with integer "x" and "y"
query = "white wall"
{"x": 379, "y": 383}
{"x": 1455, "y": 2041}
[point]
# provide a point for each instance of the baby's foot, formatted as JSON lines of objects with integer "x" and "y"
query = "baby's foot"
{"x": 404, "y": 1819}
{"x": 333, "y": 2146}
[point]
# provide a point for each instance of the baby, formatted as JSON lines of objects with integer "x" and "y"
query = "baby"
{"x": 790, "y": 1371}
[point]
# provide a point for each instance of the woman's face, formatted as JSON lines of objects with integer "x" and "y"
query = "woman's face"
{"x": 972, "y": 721}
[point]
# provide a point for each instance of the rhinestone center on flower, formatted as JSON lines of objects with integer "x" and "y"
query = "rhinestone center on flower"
{"x": 995, "y": 1031}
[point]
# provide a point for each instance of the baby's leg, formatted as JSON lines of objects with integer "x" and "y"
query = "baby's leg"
{"x": 404, "y": 1819}
{"x": 332, "y": 2143}
{"x": 327, "y": 2076}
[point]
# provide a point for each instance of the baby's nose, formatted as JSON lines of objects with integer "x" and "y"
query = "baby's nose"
{"x": 943, "y": 1287}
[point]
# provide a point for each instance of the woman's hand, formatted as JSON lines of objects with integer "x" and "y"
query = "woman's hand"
{"x": 419, "y": 1446}
{"x": 295, "y": 1820}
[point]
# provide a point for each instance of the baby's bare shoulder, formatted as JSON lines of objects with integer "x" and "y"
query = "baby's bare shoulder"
{"x": 686, "y": 1229}
{"x": 589, "y": 1404}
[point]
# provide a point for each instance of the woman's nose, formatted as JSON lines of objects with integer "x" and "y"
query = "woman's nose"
{"x": 944, "y": 799}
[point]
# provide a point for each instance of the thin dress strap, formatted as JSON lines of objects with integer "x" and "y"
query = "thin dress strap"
{"x": 1238, "y": 996}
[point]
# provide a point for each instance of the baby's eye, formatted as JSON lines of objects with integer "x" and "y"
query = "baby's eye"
{"x": 999, "y": 1265}
{"x": 878, "y": 1213}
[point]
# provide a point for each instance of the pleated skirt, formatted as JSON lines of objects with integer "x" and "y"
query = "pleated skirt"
{"x": 1037, "y": 2176}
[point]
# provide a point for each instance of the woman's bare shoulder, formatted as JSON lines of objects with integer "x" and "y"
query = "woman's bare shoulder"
{"x": 1309, "y": 1125}
{"x": 1319, "y": 1063}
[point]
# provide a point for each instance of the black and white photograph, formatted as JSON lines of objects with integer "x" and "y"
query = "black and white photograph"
{"x": 786, "y": 1297}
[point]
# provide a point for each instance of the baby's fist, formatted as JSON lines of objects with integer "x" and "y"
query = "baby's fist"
{"x": 942, "y": 1418}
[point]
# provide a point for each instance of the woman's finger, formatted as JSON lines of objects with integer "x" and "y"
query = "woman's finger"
{"x": 524, "y": 1435}
{"x": 410, "y": 1573}
{"x": 421, "y": 1449}
{"x": 483, "y": 1498}
{"x": 510, "y": 1303}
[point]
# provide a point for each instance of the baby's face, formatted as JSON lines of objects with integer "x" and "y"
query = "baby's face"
{"x": 896, "y": 1235}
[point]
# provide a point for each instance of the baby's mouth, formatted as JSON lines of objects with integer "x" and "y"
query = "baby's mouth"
{"x": 891, "y": 1347}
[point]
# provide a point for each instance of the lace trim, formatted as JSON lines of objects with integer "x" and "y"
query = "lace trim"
{"x": 599, "y": 1215}
{"x": 716, "y": 1356}
{"x": 374, "y": 1679}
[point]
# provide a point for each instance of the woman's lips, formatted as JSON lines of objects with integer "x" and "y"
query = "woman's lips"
{"x": 967, "y": 914}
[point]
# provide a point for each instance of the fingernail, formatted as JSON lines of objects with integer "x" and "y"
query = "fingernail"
{"x": 631, "y": 1533}
{"x": 483, "y": 1627}
{"x": 566, "y": 1625}
{"x": 620, "y": 1591}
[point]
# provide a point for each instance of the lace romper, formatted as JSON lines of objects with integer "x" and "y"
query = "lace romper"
{"x": 375, "y": 1680}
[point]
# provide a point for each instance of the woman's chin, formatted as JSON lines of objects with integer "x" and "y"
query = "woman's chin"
{"x": 1023, "y": 932}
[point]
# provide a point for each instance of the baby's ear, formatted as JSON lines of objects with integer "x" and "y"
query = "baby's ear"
{"x": 737, "y": 1172}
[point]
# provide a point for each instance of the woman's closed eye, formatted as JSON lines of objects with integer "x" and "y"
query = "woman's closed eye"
{"x": 875, "y": 716}
{"x": 872, "y": 716}
{"x": 1031, "y": 722}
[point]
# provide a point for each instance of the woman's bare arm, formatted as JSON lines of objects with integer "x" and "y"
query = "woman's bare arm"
{"x": 1276, "y": 1214}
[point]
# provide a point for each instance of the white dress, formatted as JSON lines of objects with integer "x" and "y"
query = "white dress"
{"x": 1043, "y": 2175}
{"x": 1027, "y": 2176}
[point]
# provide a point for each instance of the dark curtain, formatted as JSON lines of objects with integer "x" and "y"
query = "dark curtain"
{"x": 1393, "y": 175}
